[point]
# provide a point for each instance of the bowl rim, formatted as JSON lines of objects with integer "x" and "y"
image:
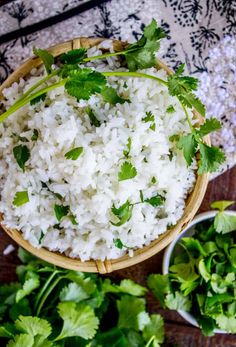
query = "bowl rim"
{"x": 168, "y": 253}
{"x": 192, "y": 202}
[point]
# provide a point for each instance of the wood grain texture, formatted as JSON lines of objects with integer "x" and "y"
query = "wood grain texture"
{"x": 178, "y": 331}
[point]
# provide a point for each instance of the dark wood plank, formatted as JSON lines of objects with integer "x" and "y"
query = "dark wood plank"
{"x": 178, "y": 331}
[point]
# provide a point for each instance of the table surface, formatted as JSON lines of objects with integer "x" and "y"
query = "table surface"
{"x": 178, "y": 332}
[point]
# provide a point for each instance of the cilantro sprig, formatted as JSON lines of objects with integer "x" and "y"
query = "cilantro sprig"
{"x": 201, "y": 278}
{"x": 50, "y": 306}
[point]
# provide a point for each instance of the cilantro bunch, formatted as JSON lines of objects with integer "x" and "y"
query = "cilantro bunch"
{"x": 202, "y": 275}
{"x": 82, "y": 82}
{"x": 53, "y": 307}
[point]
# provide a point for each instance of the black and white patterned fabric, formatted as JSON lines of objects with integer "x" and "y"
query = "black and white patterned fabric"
{"x": 193, "y": 27}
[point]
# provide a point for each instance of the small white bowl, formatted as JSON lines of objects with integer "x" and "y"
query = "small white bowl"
{"x": 168, "y": 252}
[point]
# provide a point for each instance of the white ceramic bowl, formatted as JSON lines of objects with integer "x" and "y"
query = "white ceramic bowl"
{"x": 168, "y": 252}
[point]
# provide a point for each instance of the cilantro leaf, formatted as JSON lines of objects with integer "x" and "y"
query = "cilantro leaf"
{"x": 210, "y": 158}
{"x": 221, "y": 205}
{"x": 84, "y": 83}
{"x": 73, "y": 220}
{"x": 126, "y": 286}
{"x": 154, "y": 328}
{"x": 110, "y": 95}
{"x": 127, "y": 171}
{"x": 33, "y": 326}
{"x": 74, "y": 153}
{"x": 78, "y": 320}
{"x": 182, "y": 87}
{"x": 123, "y": 213}
{"x": 93, "y": 119}
{"x": 160, "y": 285}
{"x": 209, "y": 126}
{"x": 150, "y": 118}
{"x": 207, "y": 324}
{"x": 131, "y": 313}
{"x": 126, "y": 152}
{"x": 46, "y": 57}
{"x": 21, "y": 198}
{"x": 224, "y": 222}
{"x": 61, "y": 211}
{"x": 74, "y": 56}
{"x": 203, "y": 270}
{"x": 21, "y": 340}
{"x": 39, "y": 98}
{"x": 177, "y": 301}
{"x": 31, "y": 283}
{"x": 74, "y": 292}
{"x": 170, "y": 109}
{"x": 118, "y": 243}
{"x": 35, "y": 135}
{"x": 189, "y": 146}
{"x": 155, "y": 201}
{"x": 21, "y": 154}
{"x": 226, "y": 323}
{"x": 141, "y": 54}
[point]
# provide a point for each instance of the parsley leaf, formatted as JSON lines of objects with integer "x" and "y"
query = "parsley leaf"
{"x": 150, "y": 118}
{"x": 127, "y": 171}
{"x": 110, "y": 95}
{"x": 46, "y": 57}
{"x": 210, "y": 158}
{"x": 74, "y": 153}
{"x": 21, "y": 154}
{"x": 74, "y": 56}
{"x": 78, "y": 320}
{"x": 61, "y": 211}
{"x": 189, "y": 146}
{"x": 85, "y": 83}
{"x": 209, "y": 126}
{"x": 123, "y": 213}
{"x": 35, "y": 135}
{"x": 126, "y": 152}
{"x": 39, "y": 98}
{"x": 93, "y": 119}
{"x": 141, "y": 54}
{"x": 182, "y": 87}
{"x": 21, "y": 198}
{"x": 155, "y": 201}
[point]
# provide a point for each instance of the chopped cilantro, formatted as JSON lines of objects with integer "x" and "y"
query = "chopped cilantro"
{"x": 61, "y": 211}
{"x": 155, "y": 201}
{"x": 123, "y": 213}
{"x": 21, "y": 154}
{"x": 93, "y": 119}
{"x": 21, "y": 198}
{"x": 150, "y": 118}
{"x": 35, "y": 135}
{"x": 110, "y": 95}
{"x": 74, "y": 153}
{"x": 127, "y": 151}
{"x": 170, "y": 109}
{"x": 127, "y": 171}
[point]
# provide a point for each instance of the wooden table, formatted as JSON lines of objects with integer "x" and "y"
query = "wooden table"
{"x": 178, "y": 332}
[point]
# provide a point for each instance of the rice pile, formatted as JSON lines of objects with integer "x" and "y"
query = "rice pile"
{"x": 89, "y": 185}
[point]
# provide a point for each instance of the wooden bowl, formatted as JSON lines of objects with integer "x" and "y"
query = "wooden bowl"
{"x": 192, "y": 203}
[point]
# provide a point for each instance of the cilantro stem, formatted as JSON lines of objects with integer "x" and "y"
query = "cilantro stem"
{"x": 103, "y": 56}
{"x": 134, "y": 74}
{"x": 187, "y": 117}
{"x": 47, "y": 293}
{"x": 150, "y": 341}
{"x": 24, "y": 101}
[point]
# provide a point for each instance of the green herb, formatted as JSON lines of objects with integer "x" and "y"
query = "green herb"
{"x": 39, "y": 98}
{"x": 93, "y": 119}
{"x": 73, "y": 219}
{"x": 119, "y": 244}
{"x": 110, "y": 95}
{"x": 150, "y": 118}
{"x": 59, "y": 307}
{"x": 155, "y": 201}
{"x": 21, "y": 154}
{"x": 154, "y": 180}
{"x": 75, "y": 56}
{"x": 183, "y": 87}
{"x": 170, "y": 109}
{"x": 127, "y": 171}
{"x": 125, "y": 85}
{"x": 21, "y": 198}
{"x": 201, "y": 278}
{"x": 123, "y": 213}
{"x": 61, "y": 211}
{"x": 35, "y": 135}
{"x": 74, "y": 153}
{"x": 46, "y": 57}
{"x": 126, "y": 152}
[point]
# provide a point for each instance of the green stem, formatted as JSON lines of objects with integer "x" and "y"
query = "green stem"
{"x": 103, "y": 56}
{"x": 150, "y": 341}
{"x": 50, "y": 278}
{"x": 187, "y": 117}
{"x": 46, "y": 294}
{"x": 23, "y": 102}
{"x": 134, "y": 74}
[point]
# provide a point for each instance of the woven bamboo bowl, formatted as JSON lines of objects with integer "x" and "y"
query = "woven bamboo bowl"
{"x": 192, "y": 202}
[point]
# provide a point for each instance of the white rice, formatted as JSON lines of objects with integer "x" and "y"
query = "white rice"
{"x": 90, "y": 184}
